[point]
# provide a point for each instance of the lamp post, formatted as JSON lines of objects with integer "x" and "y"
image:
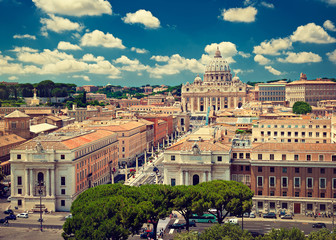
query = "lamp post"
{"x": 40, "y": 191}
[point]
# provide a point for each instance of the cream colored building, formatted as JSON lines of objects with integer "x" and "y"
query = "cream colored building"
{"x": 292, "y": 130}
{"x": 218, "y": 89}
{"x": 197, "y": 159}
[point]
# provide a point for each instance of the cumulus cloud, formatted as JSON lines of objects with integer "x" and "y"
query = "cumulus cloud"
{"x": 246, "y": 15}
{"x": 272, "y": 70}
{"x": 58, "y": 24}
{"x": 301, "y": 57}
{"x": 267, "y": 5}
{"x": 90, "y": 58}
{"x": 64, "y": 66}
{"x": 139, "y": 50}
{"x": 143, "y": 17}
{"x": 273, "y": 46}
{"x": 98, "y": 38}
{"x": 227, "y": 49}
{"x": 15, "y": 68}
{"x": 26, "y": 36}
{"x": 332, "y": 56}
{"x": 41, "y": 58}
{"x": 311, "y": 33}
{"x": 242, "y": 72}
{"x": 75, "y": 7}
{"x": 84, "y": 77}
{"x": 261, "y": 59}
{"x": 160, "y": 58}
{"x": 104, "y": 67}
{"x": 244, "y": 55}
{"x": 67, "y": 46}
{"x": 329, "y": 25}
{"x": 12, "y": 78}
{"x": 24, "y": 49}
{"x": 175, "y": 65}
{"x": 130, "y": 65}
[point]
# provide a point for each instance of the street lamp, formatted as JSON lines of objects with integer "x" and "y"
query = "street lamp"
{"x": 40, "y": 191}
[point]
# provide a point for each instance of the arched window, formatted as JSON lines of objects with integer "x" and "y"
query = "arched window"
{"x": 40, "y": 178}
{"x": 195, "y": 179}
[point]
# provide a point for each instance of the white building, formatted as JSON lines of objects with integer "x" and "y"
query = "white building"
{"x": 65, "y": 163}
{"x": 200, "y": 158}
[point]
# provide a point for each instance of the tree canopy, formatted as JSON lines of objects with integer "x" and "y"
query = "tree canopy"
{"x": 301, "y": 108}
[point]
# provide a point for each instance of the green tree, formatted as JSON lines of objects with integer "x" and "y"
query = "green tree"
{"x": 301, "y": 108}
{"x": 323, "y": 234}
{"x": 227, "y": 197}
{"x": 284, "y": 233}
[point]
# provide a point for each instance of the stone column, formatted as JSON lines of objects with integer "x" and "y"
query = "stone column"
{"x": 182, "y": 178}
{"x": 53, "y": 183}
{"x": 198, "y": 104}
{"x": 206, "y": 104}
{"x": 165, "y": 174}
{"x": 235, "y": 102}
{"x": 31, "y": 183}
{"x": 216, "y": 104}
{"x": 221, "y": 103}
{"x": 47, "y": 183}
{"x": 187, "y": 178}
{"x": 209, "y": 176}
{"x": 204, "y": 176}
{"x": 145, "y": 157}
{"x": 137, "y": 165}
{"x": 27, "y": 182}
{"x": 229, "y": 102}
{"x": 192, "y": 104}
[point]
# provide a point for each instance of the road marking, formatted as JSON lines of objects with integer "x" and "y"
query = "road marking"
{"x": 171, "y": 231}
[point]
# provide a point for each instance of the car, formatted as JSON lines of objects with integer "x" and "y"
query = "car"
{"x": 270, "y": 215}
{"x": 287, "y": 216}
{"x": 3, "y": 220}
{"x": 40, "y": 220}
{"x": 176, "y": 226}
{"x": 246, "y": 214}
{"x": 9, "y": 199}
{"x": 68, "y": 216}
{"x": 22, "y": 215}
{"x": 252, "y": 215}
{"x": 192, "y": 224}
{"x": 147, "y": 235}
{"x": 319, "y": 225}
{"x": 11, "y": 217}
{"x": 9, "y": 211}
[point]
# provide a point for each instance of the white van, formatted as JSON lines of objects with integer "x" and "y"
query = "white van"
{"x": 232, "y": 221}
{"x": 22, "y": 215}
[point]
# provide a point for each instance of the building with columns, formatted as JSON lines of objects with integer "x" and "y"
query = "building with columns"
{"x": 218, "y": 90}
{"x": 197, "y": 159}
{"x": 61, "y": 165}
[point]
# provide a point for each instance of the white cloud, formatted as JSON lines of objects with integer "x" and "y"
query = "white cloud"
{"x": 139, "y": 50}
{"x": 332, "y": 56}
{"x": 15, "y": 68}
{"x": 331, "y": 2}
{"x": 131, "y": 65}
{"x": 301, "y": 57}
{"x": 242, "y": 72}
{"x": 244, "y": 55}
{"x": 227, "y": 49}
{"x": 67, "y": 46}
{"x": 261, "y": 59}
{"x": 24, "y": 49}
{"x": 240, "y": 14}
{"x": 311, "y": 33}
{"x": 84, "y": 77}
{"x": 143, "y": 17}
{"x": 90, "y": 58}
{"x": 272, "y": 70}
{"x": 267, "y": 5}
{"x": 329, "y": 25}
{"x": 44, "y": 57}
{"x": 104, "y": 67}
{"x": 64, "y": 66}
{"x": 273, "y": 46}
{"x": 175, "y": 65}
{"x": 58, "y": 24}
{"x": 12, "y": 78}
{"x": 160, "y": 58}
{"x": 98, "y": 38}
{"x": 75, "y": 7}
{"x": 25, "y": 36}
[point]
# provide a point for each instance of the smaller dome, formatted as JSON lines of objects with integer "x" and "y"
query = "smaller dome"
{"x": 235, "y": 78}
{"x": 197, "y": 79}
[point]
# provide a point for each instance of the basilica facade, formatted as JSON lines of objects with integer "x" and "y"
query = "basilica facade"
{"x": 218, "y": 90}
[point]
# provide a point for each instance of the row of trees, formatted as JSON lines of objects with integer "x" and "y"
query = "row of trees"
{"x": 117, "y": 211}
{"x": 230, "y": 231}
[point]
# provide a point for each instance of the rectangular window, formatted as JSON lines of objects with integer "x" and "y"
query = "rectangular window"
{"x": 62, "y": 203}
{"x": 62, "y": 181}
{"x": 259, "y": 156}
{"x": 284, "y": 194}
{"x": 271, "y": 169}
{"x": 63, "y": 191}
{"x": 247, "y": 155}
{"x": 271, "y": 156}
{"x": 283, "y": 157}
{"x": 272, "y": 181}
{"x": 322, "y": 195}
{"x": 18, "y": 156}
{"x": 309, "y": 182}
{"x": 333, "y": 158}
{"x": 19, "y": 202}
{"x": 308, "y": 157}
{"x": 247, "y": 168}
{"x": 297, "y": 194}
{"x": 259, "y": 192}
{"x": 310, "y": 134}
{"x": 219, "y": 158}
{"x": 259, "y": 169}
{"x": 284, "y": 170}
{"x": 322, "y": 207}
{"x": 310, "y": 194}
{"x": 297, "y": 182}
{"x": 20, "y": 191}
{"x": 234, "y": 155}
{"x": 296, "y": 157}
{"x": 309, "y": 206}
{"x": 19, "y": 180}
{"x": 310, "y": 170}
{"x": 62, "y": 156}
{"x": 260, "y": 181}
{"x": 173, "y": 182}
{"x": 260, "y": 205}
{"x": 172, "y": 158}
{"x": 284, "y": 181}
{"x": 271, "y": 193}
{"x": 334, "y": 183}
{"x": 297, "y": 170}
{"x": 272, "y": 205}
{"x": 241, "y": 155}
{"x": 322, "y": 170}
{"x": 322, "y": 183}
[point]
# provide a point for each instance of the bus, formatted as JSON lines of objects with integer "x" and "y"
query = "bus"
{"x": 205, "y": 218}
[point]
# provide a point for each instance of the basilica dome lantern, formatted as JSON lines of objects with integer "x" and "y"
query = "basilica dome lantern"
{"x": 218, "y": 70}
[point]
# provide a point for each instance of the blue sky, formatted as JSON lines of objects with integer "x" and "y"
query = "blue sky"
{"x": 133, "y": 43}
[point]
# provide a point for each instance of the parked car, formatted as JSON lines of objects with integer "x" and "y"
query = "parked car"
{"x": 9, "y": 211}
{"x": 252, "y": 215}
{"x": 147, "y": 235}
{"x": 22, "y": 215}
{"x": 68, "y": 216}
{"x": 3, "y": 220}
{"x": 287, "y": 216}
{"x": 319, "y": 225}
{"x": 270, "y": 215}
{"x": 176, "y": 226}
{"x": 40, "y": 220}
{"x": 11, "y": 217}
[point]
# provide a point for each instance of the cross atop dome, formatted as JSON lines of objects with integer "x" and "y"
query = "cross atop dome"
{"x": 218, "y": 53}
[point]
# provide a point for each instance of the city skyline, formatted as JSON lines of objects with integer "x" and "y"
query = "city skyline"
{"x": 132, "y": 43}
